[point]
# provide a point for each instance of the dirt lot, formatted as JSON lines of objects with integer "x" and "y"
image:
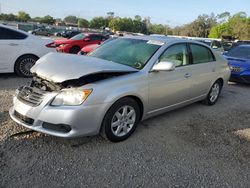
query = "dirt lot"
{"x": 196, "y": 146}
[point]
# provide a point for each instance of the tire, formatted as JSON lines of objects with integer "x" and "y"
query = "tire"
{"x": 74, "y": 50}
{"x": 213, "y": 94}
{"x": 123, "y": 125}
{"x": 24, "y": 64}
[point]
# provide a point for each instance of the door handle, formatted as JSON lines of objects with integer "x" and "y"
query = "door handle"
{"x": 187, "y": 75}
{"x": 13, "y": 44}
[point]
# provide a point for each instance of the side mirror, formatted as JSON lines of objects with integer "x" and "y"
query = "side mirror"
{"x": 163, "y": 66}
{"x": 87, "y": 39}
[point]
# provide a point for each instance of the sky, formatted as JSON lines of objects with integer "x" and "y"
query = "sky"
{"x": 173, "y": 13}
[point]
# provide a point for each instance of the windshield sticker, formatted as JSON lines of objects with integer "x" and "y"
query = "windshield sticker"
{"x": 155, "y": 42}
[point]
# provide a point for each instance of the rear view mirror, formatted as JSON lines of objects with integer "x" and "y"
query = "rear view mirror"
{"x": 163, "y": 66}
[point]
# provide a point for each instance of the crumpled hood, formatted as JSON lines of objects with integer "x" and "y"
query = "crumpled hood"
{"x": 57, "y": 67}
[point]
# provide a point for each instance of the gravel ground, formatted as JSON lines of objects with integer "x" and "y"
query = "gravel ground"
{"x": 196, "y": 146}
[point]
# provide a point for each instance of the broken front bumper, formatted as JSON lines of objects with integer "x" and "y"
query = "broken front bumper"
{"x": 61, "y": 121}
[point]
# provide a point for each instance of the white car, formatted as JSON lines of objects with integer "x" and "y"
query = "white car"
{"x": 20, "y": 50}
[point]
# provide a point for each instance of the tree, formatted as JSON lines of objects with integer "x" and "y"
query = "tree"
{"x": 8, "y": 17}
{"x": 83, "y": 23}
{"x": 157, "y": 29}
{"x": 98, "y": 22}
{"x": 23, "y": 16}
{"x": 219, "y": 30}
{"x": 48, "y": 20}
{"x": 237, "y": 26}
{"x": 71, "y": 19}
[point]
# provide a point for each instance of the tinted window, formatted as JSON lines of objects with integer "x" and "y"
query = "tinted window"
{"x": 8, "y": 34}
{"x": 177, "y": 54}
{"x": 201, "y": 54}
{"x": 80, "y": 36}
{"x": 241, "y": 52}
{"x": 96, "y": 37}
{"x": 131, "y": 52}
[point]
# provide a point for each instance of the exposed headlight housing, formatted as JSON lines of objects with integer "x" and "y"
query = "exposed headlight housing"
{"x": 72, "y": 97}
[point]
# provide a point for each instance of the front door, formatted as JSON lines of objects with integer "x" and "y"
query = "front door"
{"x": 170, "y": 88}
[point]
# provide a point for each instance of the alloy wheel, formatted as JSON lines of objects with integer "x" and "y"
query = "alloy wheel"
{"x": 123, "y": 121}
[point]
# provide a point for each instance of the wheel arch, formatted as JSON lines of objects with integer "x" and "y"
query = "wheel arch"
{"x": 23, "y": 55}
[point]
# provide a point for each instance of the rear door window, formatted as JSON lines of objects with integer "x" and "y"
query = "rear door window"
{"x": 201, "y": 54}
{"x": 8, "y": 34}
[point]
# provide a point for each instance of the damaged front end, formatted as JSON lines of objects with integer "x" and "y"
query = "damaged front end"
{"x": 34, "y": 93}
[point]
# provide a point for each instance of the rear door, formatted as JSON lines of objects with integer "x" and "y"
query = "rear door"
{"x": 11, "y": 43}
{"x": 203, "y": 69}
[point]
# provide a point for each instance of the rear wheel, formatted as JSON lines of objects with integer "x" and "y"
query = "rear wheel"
{"x": 74, "y": 50}
{"x": 214, "y": 93}
{"x": 24, "y": 64}
{"x": 121, "y": 120}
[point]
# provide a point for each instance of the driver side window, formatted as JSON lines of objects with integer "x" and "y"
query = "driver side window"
{"x": 176, "y": 54}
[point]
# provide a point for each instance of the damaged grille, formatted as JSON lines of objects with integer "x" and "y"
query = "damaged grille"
{"x": 31, "y": 96}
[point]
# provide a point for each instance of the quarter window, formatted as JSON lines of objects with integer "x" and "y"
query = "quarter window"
{"x": 201, "y": 54}
{"x": 176, "y": 54}
{"x": 8, "y": 34}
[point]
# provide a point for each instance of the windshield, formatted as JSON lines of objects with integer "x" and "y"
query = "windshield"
{"x": 131, "y": 52}
{"x": 240, "y": 52}
{"x": 80, "y": 36}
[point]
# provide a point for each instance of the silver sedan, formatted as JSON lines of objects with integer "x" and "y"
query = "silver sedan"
{"x": 122, "y": 82}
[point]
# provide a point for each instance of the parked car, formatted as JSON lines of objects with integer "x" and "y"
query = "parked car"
{"x": 239, "y": 62}
{"x": 119, "y": 84}
{"x": 87, "y": 49}
{"x": 20, "y": 50}
{"x": 41, "y": 31}
{"x": 69, "y": 34}
{"x": 76, "y": 43}
{"x": 214, "y": 44}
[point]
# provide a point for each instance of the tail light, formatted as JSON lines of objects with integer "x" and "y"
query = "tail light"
{"x": 51, "y": 45}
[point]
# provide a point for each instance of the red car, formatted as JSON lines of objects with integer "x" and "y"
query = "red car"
{"x": 76, "y": 43}
{"x": 85, "y": 50}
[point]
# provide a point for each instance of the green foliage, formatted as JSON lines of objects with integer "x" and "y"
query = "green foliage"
{"x": 237, "y": 26}
{"x": 71, "y": 19}
{"x": 83, "y": 23}
{"x": 23, "y": 16}
{"x": 99, "y": 22}
{"x": 8, "y": 17}
{"x": 47, "y": 19}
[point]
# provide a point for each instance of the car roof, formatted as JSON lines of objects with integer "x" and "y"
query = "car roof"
{"x": 164, "y": 39}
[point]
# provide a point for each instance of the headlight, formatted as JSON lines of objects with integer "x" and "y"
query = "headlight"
{"x": 71, "y": 97}
{"x": 62, "y": 45}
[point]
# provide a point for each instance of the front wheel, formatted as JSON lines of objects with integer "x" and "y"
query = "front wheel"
{"x": 214, "y": 93}
{"x": 121, "y": 120}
